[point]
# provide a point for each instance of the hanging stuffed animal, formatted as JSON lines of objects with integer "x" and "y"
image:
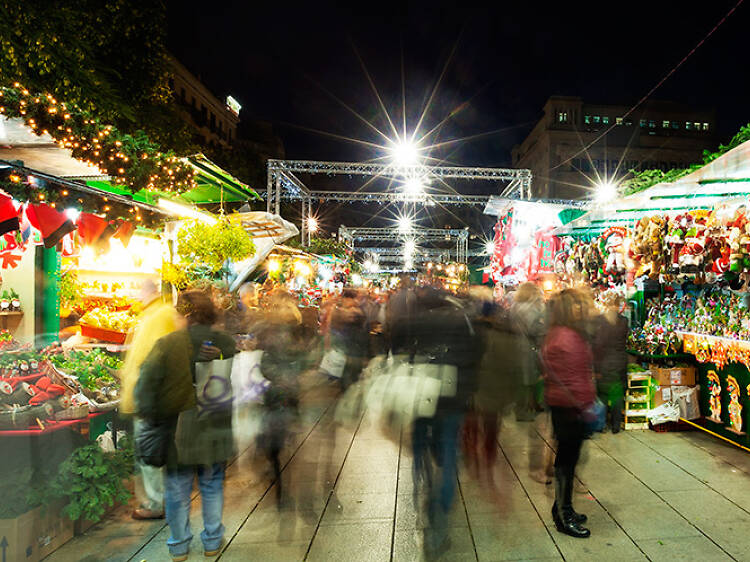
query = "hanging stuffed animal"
{"x": 614, "y": 238}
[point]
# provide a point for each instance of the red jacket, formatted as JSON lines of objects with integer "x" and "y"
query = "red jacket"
{"x": 568, "y": 369}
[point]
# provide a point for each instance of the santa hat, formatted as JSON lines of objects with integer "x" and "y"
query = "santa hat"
{"x": 52, "y": 224}
{"x": 8, "y": 215}
{"x": 90, "y": 228}
{"x": 125, "y": 232}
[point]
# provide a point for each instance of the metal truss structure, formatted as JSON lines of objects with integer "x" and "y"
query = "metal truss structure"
{"x": 351, "y": 236}
{"x": 392, "y": 255}
{"x": 282, "y": 183}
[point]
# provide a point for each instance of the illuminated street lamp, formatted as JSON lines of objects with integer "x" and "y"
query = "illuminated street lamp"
{"x": 605, "y": 191}
{"x": 312, "y": 224}
{"x": 405, "y": 224}
{"x": 404, "y": 152}
{"x": 414, "y": 186}
{"x": 489, "y": 248}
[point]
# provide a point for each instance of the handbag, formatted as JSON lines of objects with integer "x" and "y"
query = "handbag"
{"x": 333, "y": 363}
{"x": 213, "y": 386}
{"x": 595, "y": 416}
{"x": 151, "y": 442}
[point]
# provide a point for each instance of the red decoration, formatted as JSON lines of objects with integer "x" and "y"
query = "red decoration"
{"x": 52, "y": 224}
{"x": 90, "y": 228}
{"x": 11, "y": 251}
{"x": 8, "y": 215}
{"x": 125, "y": 232}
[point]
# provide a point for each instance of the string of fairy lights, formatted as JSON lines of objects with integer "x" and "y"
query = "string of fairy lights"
{"x": 131, "y": 161}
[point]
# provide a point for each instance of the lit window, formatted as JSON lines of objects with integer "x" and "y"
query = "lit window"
{"x": 705, "y": 126}
{"x": 605, "y": 120}
{"x": 596, "y": 119}
{"x": 651, "y": 124}
{"x": 643, "y": 122}
{"x": 665, "y": 124}
{"x": 587, "y": 119}
{"x": 628, "y": 122}
{"x": 562, "y": 116}
{"x": 688, "y": 125}
{"x": 618, "y": 120}
{"x": 697, "y": 126}
{"x": 675, "y": 125}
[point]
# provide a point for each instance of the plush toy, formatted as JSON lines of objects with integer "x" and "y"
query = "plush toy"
{"x": 675, "y": 240}
{"x": 614, "y": 238}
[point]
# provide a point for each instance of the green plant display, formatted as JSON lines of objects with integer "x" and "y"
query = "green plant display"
{"x": 646, "y": 178}
{"x": 93, "y": 368}
{"x": 70, "y": 289}
{"x": 213, "y": 245}
{"x": 90, "y": 480}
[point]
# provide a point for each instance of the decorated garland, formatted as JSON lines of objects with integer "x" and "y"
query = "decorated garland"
{"x": 131, "y": 160}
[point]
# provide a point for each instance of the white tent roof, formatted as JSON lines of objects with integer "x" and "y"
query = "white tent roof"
{"x": 723, "y": 182}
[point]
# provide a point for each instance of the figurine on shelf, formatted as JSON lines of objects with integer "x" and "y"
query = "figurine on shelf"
{"x": 714, "y": 401}
{"x": 15, "y": 302}
{"x": 734, "y": 408}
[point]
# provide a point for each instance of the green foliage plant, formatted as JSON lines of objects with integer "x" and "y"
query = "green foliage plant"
{"x": 213, "y": 244}
{"x": 90, "y": 481}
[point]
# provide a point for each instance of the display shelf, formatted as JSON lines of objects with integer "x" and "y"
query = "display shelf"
{"x": 5, "y": 318}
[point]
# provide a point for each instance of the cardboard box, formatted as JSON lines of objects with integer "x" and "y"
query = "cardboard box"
{"x": 34, "y": 534}
{"x": 675, "y": 376}
{"x": 662, "y": 394}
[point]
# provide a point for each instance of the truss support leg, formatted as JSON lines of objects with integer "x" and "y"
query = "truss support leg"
{"x": 269, "y": 192}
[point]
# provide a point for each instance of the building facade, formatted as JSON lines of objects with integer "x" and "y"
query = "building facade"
{"x": 215, "y": 120}
{"x": 658, "y": 134}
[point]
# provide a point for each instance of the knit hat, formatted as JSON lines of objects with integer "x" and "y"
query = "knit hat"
{"x": 52, "y": 224}
{"x": 90, "y": 228}
{"x": 125, "y": 232}
{"x": 8, "y": 215}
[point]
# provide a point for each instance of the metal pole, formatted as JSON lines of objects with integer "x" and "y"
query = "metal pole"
{"x": 278, "y": 195}
{"x": 269, "y": 190}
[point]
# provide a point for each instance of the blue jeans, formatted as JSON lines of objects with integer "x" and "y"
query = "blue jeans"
{"x": 439, "y": 436}
{"x": 179, "y": 486}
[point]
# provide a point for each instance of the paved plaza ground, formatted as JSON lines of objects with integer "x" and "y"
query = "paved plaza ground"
{"x": 653, "y": 496}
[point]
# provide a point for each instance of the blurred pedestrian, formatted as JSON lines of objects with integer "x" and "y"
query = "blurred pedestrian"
{"x": 166, "y": 393}
{"x": 444, "y": 335}
{"x": 611, "y": 358}
{"x": 528, "y": 314}
{"x": 157, "y": 320}
{"x": 569, "y": 391}
{"x": 350, "y": 334}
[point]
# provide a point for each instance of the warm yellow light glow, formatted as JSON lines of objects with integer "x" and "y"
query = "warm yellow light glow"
{"x": 312, "y": 224}
{"x": 274, "y": 266}
{"x": 186, "y": 212}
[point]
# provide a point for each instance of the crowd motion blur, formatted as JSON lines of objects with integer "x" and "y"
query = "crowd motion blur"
{"x": 435, "y": 373}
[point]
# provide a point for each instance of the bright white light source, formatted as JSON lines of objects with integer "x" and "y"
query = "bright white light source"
{"x": 408, "y": 265}
{"x": 312, "y": 224}
{"x": 409, "y": 248}
{"x": 186, "y": 212}
{"x": 404, "y": 152}
{"x": 414, "y": 186}
{"x": 72, "y": 214}
{"x": 489, "y": 247}
{"x": 405, "y": 224}
{"x": 605, "y": 191}
{"x": 356, "y": 280}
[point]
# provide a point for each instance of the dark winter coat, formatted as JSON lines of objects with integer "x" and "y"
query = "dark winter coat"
{"x": 610, "y": 357}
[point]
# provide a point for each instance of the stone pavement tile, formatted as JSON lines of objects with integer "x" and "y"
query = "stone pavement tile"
{"x": 730, "y": 534}
{"x": 601, "y": 545}
{"x": 270, "y": 526}
{"x": 653, "y": 521}
{"x": 372, "y": 447}
{"x": 351, "y": 483}
{"x": 409, "y": 516}
{"x": 265, "y": 551}
{"x": 299, "y": 498}
{"x": 355, "y": 507}
{"x": 598, "y": 518}
{"x": 703, "y": 506}
{"x": 622, "y": 493}
{"x": 513, "y": 542}
{"x": 370, "y": 465}
{"x": 508, "y": 499}
{"x": 362, "y": 541}
{"x": 684, "y": 549}
{"x": 408, "y": 546}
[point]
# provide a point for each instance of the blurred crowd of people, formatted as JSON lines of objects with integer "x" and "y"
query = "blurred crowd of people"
{"x": 542, "y": 358}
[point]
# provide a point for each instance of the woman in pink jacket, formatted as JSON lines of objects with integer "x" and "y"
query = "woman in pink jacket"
{"x": 569, "y": 390}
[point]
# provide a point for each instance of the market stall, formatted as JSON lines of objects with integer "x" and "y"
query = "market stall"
{"x": 680, "y": 251}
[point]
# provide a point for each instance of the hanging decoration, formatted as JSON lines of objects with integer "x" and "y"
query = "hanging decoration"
{"x": 11, "y": 250}
{"x": 132, "y": 161}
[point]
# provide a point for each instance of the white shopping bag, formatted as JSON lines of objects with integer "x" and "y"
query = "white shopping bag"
{"x": 333, "y": 363}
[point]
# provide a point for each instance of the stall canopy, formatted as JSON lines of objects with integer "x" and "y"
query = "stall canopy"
{"x": 722, "y": 182}
{"x": 40, "y": 152}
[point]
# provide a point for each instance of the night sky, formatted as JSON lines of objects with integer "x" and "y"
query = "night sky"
{"x": 289, "y": 64}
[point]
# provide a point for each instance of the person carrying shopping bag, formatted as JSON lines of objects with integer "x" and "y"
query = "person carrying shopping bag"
{"x": 197, "y": 435}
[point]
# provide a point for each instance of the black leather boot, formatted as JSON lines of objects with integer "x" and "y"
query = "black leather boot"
{"x": 566, "y": 520}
